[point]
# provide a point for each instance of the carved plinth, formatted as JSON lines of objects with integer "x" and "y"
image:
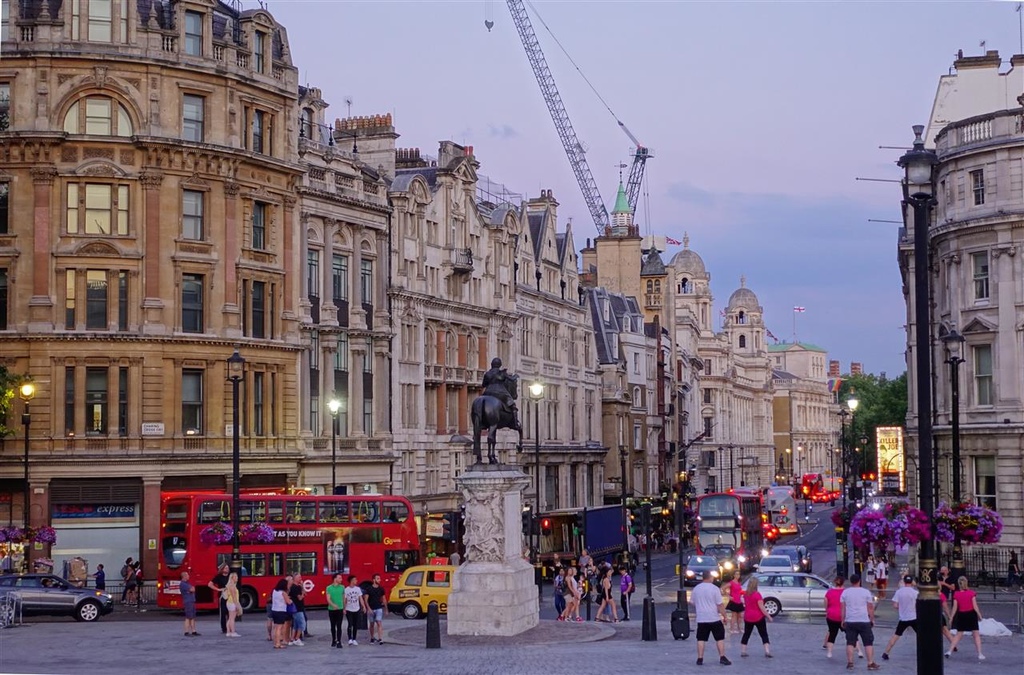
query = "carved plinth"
{"x": 493, "y": 592}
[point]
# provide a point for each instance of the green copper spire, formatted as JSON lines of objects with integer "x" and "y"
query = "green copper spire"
{"x": 621, "y": 203}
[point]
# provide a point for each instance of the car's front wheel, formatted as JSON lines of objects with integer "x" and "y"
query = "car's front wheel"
{"x": 772, "y": 606}
{"x": 87, "y": 611}
{"x": 411, "y": 610}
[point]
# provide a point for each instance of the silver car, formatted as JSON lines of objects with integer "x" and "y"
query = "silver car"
{"x": 49, "y": 594}
{"x": 791, "y": 591}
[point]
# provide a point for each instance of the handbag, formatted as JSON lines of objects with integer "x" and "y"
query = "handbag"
{"x": 291, "y": 608}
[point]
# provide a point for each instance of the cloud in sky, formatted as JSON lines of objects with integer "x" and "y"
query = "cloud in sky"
{"x": 503, "y": 132}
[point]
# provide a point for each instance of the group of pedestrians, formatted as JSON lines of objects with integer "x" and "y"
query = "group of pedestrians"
{"x": 571, "y": 589}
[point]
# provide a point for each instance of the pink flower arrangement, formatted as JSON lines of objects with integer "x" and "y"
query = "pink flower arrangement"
{"x": 973, "y": 524}
{"x": 43, "y": 534}
{"x": 256, "y": 533}
{"x": 897, "y": 524}
{"x": 216, "y": 533}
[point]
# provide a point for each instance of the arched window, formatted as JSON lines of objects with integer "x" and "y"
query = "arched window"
{"x": 451, "y": 349}
{"x": 684, "y": 286}
{"x": 741, "y": 318}
{"x": 636, "y": 397}
{"x": 98, "y": 116}
{"x": 650, "y": 286}
{"x": 743, "y": 341}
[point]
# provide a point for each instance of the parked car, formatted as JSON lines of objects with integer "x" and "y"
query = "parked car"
{"x": 794, "y": 591}
{"x": 49, "y": 594}
{"x": 418, "y": 587}
{"x": 776, "y": 563}
{"x": 696, "y": 565}
{"x": 798, "y": 554}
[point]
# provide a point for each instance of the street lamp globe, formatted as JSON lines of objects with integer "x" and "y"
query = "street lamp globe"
{"x": 918, "y": 164}
{"x": 27, "y": 392}
{"x": 334, "y": 405}
{"x": 852, "y": 404}
{"x": 236, "y": 366}
{"x": 536, "y": 390}
{"x": 953, "y": 343}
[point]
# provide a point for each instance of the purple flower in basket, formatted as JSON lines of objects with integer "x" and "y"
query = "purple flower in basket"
{"x": 45, "y": 535}
{"x": 12, "y": 534}
{"x": 216, "y": 533}
{"x": 256, "y": 533}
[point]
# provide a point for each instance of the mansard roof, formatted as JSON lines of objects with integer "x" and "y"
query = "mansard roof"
{"x": 653, "y": 265}
{"x": 623, "y": 312}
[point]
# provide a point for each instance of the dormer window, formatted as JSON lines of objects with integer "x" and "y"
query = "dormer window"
{"x": 193, "y": 33}
{"x": 259, "y": 48}
{"x": 98, "y": 116}
{"x": 100, "y": 17}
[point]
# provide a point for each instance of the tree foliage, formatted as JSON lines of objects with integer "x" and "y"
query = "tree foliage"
{"x": 882, "y": 403}
{"x": 9, "y": 383}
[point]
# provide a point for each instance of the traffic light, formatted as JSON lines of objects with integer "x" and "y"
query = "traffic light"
{"x": 545, "y": 526}
{"x": 451, "y": 526}
{"x": 806, "y": 490}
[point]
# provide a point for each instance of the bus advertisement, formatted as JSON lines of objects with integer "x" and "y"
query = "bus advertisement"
{"x": 317, "y": 536}
{"x": 729, "y": 527}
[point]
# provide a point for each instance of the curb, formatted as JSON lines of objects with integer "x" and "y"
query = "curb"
{"x": 542, "y": 633}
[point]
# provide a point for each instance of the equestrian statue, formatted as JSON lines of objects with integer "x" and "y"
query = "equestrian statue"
{"x": 495, "y": 409}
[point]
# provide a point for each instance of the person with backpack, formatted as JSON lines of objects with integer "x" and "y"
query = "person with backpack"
{"x": 559, "y": 583}
{"x": 626, "y": 590}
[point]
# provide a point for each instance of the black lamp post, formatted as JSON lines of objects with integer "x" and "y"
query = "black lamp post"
{"x": 863, "y": 468}
{"x": 27, "y": 392}
{"x": 536, "y": 393}
{"x": 623, "y": 456}
{"x": 954, "y": 345}
{"x": 731, "y": 484}
{"x": 918, "y": 164}
{"x": 236, "y": 371}
{"x": 334, "y": 406}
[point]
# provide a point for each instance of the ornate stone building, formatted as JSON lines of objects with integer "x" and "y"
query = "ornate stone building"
{"x": 977, "y": 129}
{"x": 453, "y": 308}
{"x": 805, "y": 414}
{"x": 556, "y": 348}
{"x": 150, "y": 168}
{"x": 345, "y": 319}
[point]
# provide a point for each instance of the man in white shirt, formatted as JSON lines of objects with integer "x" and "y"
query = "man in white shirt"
{"x": 710, "y": 605}
{"x": 905, "y": 601}
{"x": 858, "y": 618}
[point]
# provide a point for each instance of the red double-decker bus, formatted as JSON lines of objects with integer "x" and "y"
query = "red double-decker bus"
{"x": 729, "y": 526}
{"x": 315, "y": 536}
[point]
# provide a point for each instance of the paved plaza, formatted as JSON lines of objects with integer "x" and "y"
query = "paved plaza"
{"x": 153, "y": 643}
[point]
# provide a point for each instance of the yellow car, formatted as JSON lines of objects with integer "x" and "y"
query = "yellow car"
{"x": 418, "y": 587}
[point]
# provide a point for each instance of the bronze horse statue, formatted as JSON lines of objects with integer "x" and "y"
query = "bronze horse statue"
{"x": 489, "y": 412}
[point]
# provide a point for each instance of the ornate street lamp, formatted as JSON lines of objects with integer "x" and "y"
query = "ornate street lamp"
{"x": 26, "y": 393}
{"x": 953, "y": 342}
{"x": 334, "y": 406}
{"x": 919, "y": 166}
{"x": 236, "y": 371}
{"x": 536, "y": 393}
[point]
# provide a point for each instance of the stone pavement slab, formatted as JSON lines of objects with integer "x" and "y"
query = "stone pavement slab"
{"x": 154, "y": 646}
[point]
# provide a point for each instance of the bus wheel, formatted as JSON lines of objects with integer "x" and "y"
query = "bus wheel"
{"x": 248, "y": 600}
{"x": 411, "y": 610}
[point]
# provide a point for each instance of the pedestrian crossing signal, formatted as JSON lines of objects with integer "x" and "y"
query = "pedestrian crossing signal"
{"x": 545, "y": 526}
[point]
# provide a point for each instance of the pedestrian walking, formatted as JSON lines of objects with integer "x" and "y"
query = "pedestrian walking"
{"x": 905, "y": 602}
{"x": 604, "y": 590}
{"x": 559, "y": 592}
{"x": 375, "y": 610}
{"x": 101, "y": 578}
{"x": 966, "y": 616}
{"x": 626, "y": 590}
{"x": 188, "y": 601}
{"x": 710, "y": 609}
{"x": 336, "y": 608}
{"x": 126, "y": 570}
{"x": 735, "y": 604}
{"x": 858, "y": 621}
{"x": 354, "y": 603}
{"x": 218, "y": 583}
{"x": 833, "y": 614}
{"x": 881, "y": 577}
{"x": 755, "y": 616}
{"x": 1012, "y": 571}
{"x": 572, "y": 595}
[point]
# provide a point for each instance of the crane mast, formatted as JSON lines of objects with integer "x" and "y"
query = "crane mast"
{"x": 573, "y": 148}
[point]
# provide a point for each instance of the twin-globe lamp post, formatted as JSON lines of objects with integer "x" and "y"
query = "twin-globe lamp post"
{"x": 919, "y": 165}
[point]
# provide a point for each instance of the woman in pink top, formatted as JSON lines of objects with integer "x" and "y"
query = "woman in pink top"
{"x": 833, "y": 614}
{"x": 735, "y": 605}
{"x": 755, "y": 616}
{"x": 966, "y": 616}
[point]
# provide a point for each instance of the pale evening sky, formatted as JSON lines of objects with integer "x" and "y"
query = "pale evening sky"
{"x": 761, "y": 115}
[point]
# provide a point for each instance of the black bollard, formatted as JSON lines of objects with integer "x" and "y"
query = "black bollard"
{"x": 433, "y": 627}
{"x": 649, "y": 630}
{"x": 588, "y": 604}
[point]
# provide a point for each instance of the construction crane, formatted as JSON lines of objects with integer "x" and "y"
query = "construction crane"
{"x": 563, "y": 125}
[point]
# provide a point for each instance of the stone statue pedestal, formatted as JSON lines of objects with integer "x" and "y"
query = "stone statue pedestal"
{"x": 493, "y": 592}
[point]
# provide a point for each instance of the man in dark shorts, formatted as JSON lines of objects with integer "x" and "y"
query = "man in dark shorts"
{"x": 707, "y": 600}
{"x": 375, "y": 601}
{"x": 905, "y": 601}
{"x": 858, "y": 619}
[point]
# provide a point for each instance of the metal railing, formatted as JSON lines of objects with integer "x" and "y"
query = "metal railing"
{"x": 10, "y": 610}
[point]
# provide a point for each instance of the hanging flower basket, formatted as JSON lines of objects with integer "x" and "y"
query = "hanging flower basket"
{"x": 216, "y": 533}
{"x": 256, "y": 533}
{"x": 44, "y": 535}
{"x": 896, "y": 525}
{"x": 841, "y": 518}
{"x": 973, "y": 524}
{"x": 14, "y": 535}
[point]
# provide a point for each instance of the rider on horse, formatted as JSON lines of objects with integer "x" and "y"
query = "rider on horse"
{"x": 494, "y": 385}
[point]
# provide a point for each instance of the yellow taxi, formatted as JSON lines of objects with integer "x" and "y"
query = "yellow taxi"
{"x": 418, "y": 587}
